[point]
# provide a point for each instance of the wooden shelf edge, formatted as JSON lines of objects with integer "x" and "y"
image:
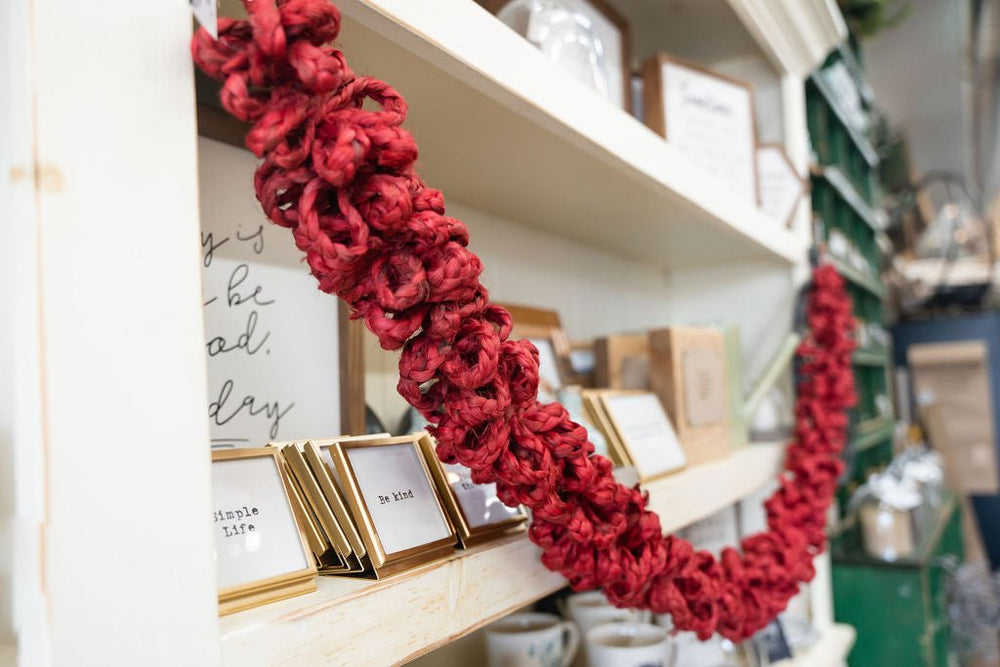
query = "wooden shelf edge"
{"x": 871, "y": 357}
{"x": 8, "y": 655}
{"x": 444, "y": 600}
{"x": 830, "y": 650}
{"x": 862, "y": 143}
{"x": 839, "y": 181}
{"x": 700, "y": 491}
{"x": 853, "y": 275}
{"x": 870, "y": 433}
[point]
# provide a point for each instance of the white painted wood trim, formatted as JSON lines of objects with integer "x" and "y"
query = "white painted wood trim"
{"x": 125, "y": 571}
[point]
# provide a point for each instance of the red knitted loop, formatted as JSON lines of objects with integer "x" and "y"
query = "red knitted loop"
{"x": 339, "y": 175}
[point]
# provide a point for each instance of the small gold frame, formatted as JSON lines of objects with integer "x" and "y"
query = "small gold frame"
{"x": 285, "y": 585}
{"x": 385, "y": 563}
{"x": 620, "y": 445}
{"x": 467, "y": 535}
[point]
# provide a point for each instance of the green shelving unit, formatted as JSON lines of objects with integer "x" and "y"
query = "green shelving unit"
{"x": 844, "y": 179}
{"x": 898, "y": 608}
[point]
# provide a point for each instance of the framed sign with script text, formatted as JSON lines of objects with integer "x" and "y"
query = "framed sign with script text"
{"x": 476, "y": 511}
{"x": 394, "y": 501}
{"x": 640, "y": 427}
{"x": 781, "y": 188}
{"x": 283, "y": 362}
{"x": 709, "y": 118}
{"x": 261, "y": 551}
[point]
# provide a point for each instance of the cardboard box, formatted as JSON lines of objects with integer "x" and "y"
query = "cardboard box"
{"x": 952, "y": 389}
{"x": 621, "y": 361}
{"x": 688, "y": 372}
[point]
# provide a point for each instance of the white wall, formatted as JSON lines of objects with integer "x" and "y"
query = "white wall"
{"x": 597, "y": 293}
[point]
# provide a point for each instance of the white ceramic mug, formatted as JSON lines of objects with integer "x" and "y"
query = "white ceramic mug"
{"x": 628, "y": 645}
{"x": 531, "y": 640}
{"x": 591, "y": 608}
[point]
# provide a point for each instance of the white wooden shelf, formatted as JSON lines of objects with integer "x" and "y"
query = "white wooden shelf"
{"x": 830, "y": 650}
{"x": 703, "y": 490}
{"x": 421, "y": 609}
{"x": 503, "y": 129}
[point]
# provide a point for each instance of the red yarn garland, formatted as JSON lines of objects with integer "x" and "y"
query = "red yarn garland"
{"x": 341, "y": 178}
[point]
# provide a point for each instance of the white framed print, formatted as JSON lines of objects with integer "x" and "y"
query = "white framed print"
{"x": 394, "y": 502}
{"x": 476, "y": 511}
{"x": 780, "y": 186}
{"x": 261, "y": 553}
{"x": 709, "y": 118}
{"x": 643, "y": 431}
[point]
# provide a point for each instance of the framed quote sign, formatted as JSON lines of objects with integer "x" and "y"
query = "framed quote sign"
{"x": 394, "y": 502}
{"x": 707, "y": 117}
{"x": 780, "y": 186}
{"x": 642, "y": 432}
{"x": 544, "y": 330}
{"x": 476, "y": 511}
{"x": 261, "y": 552}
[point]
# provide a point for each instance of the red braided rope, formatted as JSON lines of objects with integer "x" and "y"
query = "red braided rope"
{"x": 341, "y": 177}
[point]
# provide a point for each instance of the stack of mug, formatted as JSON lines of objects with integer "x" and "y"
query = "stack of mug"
{"x": 611, "y": 637}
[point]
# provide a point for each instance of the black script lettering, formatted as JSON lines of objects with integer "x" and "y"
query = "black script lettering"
{"x": 218, "y": 344}
{"x": 272, "y": 410}
{"x": 236, "y": 279}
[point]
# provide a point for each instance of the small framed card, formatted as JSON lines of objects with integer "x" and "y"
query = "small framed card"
{"x": 476, "y": 511}
{"x": 709, "y": 118}
{"x": 780, "y": 186}
{"x": 394, "y": 502}
{"x": 643, "y": 433}
{"x": 261, "y": 551}
{"x": 336, "y": 554}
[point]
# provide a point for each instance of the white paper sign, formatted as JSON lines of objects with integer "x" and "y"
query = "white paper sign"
{"x": 256, "y": 536}
{"x": 646, "y": 431}
{"x": 270, "y": 335}
{"x": 479, "y": 502}
{"x": 780, "y": 187}
{"x": 710, "y": 120}
{"x": 549, "y": 381}
{"x": 399, "y": 496}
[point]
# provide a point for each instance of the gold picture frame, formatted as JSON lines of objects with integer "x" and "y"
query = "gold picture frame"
{"x": 469, "y": 531}
{"x": 279, "y": 581}
{"x": 651, "y": 460}
{"x": 384, "y": 558}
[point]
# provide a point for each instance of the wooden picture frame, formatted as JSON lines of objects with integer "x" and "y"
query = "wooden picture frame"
{"x": 621, "y": 361}
{"x": 358, "y": 471}
{"x": 466, "y": 512}
{"x": 772, "y": 185}
{"x": 592, "y": 8}
{"x": 263, "y": 506}
{"x": 730, "y": 160}
{"x": 543, "y": 327}
{"x": 689, "y": 374}
{"x": 641, "y": 432}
